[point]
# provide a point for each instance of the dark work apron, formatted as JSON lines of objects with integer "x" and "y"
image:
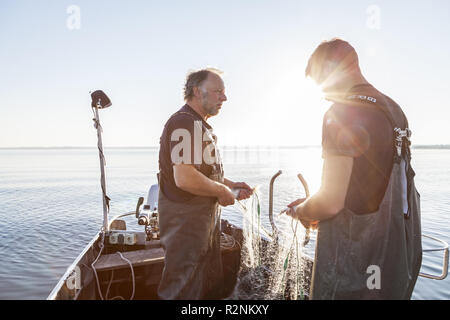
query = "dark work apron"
{"x": 376, "y": 255}
{"x": 190, "y": 236}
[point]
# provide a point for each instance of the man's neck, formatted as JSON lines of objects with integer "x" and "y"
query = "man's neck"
{"x": 340, "y": 91}
{"x": 197, "y": 108}
{"x": 355, "y": 80}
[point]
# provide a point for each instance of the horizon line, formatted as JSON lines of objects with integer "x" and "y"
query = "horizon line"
{"x": 419, "y": 146}
{"x": 156, "y": 147}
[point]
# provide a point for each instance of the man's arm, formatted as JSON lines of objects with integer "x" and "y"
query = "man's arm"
{"x": 191, "y": 180}
{"x": 330, "y": 199}
{"x": 228, "y": 183}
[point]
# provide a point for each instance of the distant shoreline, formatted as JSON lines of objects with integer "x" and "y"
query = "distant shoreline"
{"x": 434, "y": 146}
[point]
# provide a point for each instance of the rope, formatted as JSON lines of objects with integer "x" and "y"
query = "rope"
{"x": 102, "y": 156}
{"x": 227, "y": 241}
{"x": 109, "y": 284}
{"x": 132, "y": 277}
{"x": 102, "y": 245}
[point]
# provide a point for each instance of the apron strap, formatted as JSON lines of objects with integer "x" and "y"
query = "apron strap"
{"x": 402, "y": 134}
{"x": 402, "y": 143}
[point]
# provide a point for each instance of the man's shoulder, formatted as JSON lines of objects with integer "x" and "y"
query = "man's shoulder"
{"x": 356, "y": 112}
{"x": 351, "y": 130}
{"x": 181, "y": 119}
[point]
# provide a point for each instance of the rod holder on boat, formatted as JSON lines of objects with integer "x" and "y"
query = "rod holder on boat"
{"x": 274, "y": 228}
{"x": 138, "y": 206}
{"x": 444, "y": 273}
{"x": 305, "y": 186}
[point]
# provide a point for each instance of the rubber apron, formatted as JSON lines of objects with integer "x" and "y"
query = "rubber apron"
{"x": 376, "y": 255}
{"x": 190, "y": 236}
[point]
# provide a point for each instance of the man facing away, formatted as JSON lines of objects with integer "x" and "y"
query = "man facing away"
{"x": 367, "y": 209}
{"x": 192, "y": 188}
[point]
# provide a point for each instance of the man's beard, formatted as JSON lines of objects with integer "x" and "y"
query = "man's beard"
{"x": 211, "y": 110}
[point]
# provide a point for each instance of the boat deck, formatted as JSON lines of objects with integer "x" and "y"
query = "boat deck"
{"x": 137, "y": 258}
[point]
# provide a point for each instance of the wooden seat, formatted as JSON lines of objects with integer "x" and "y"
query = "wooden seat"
{"x": 137, "y": 258}
{"x": 152, "y": 254}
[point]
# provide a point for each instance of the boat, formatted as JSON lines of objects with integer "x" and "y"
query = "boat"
{"x": 123, "y": 264}
{"x": 106, "y": 270}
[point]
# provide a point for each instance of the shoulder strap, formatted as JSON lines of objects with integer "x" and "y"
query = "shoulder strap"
{"x": 401, "y": 139}
{"x": 401, "y": 132}
{"x": 374, "y": 102}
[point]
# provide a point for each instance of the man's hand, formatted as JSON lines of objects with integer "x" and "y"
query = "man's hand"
{"x": 296, "y": 202}
{"x": 244, "y": 190}
{"x": 293, "y": 212}
{"x": 225, "y": 196}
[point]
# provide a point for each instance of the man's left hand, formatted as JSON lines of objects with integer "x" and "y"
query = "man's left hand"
{"x": 245, "y": 191}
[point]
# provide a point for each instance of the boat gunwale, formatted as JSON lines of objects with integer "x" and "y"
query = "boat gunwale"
{"x": 71, "y": 268}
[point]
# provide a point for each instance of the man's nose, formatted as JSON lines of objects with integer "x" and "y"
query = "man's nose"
{"x": 224, "y": 97}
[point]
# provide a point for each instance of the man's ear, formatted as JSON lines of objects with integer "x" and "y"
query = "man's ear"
{"x": 330, "y": 72}
{"x": 197, "y": 92}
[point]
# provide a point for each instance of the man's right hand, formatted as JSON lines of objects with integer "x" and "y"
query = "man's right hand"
{"x": 292, "y": 212}
{"x": 225, "y": 196}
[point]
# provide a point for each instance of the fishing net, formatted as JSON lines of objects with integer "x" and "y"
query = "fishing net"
{"x": 272, "y": 267}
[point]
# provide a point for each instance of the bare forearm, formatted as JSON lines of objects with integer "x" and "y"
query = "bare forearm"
{"x": 192, "y": 181}
{"x": 228, "y": 183}
{"x": 315, "y": 208}
{"x": 330, "y": 199}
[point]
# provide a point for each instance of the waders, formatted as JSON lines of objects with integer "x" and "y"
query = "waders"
{"x": 376, "y": 255}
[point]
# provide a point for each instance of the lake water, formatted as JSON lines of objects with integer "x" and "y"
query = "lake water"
{"x": 51, "y": 204}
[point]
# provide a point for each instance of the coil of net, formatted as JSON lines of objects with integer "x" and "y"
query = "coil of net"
{"x": 271, "y": 269}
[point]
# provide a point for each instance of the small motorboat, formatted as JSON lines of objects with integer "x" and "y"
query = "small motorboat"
{"x": 121, "y": 264}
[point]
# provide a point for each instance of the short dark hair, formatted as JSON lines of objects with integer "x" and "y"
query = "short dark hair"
{"x": 195, "y": 79}
{"x": 335, "y": 50}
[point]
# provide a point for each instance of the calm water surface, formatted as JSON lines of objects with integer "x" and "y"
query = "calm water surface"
{"x": 51, "y": 204}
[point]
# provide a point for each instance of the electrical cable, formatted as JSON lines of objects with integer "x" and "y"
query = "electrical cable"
{"x": 132, "y": 274}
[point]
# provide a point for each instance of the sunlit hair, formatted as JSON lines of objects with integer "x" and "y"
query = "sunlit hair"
{"x": 196, "y": 79}
{"x": 335, "y": 52}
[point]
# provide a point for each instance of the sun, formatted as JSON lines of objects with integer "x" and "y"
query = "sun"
{"x": 305, "y": 109}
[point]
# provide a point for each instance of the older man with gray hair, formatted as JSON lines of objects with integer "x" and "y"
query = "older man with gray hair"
{"x": 192, "y": 188}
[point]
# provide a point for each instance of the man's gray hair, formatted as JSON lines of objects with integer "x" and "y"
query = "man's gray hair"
{"x": 196, "y": 79}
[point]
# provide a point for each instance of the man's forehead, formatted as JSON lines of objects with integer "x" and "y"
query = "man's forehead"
{"x": 214, "y": 80}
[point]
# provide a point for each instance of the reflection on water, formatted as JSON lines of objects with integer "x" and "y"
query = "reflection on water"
{"x": 52, "y": 207}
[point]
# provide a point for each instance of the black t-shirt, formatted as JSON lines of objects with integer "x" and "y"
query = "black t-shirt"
{"x": 363, "y": 132}
{"x": 184, "y": 132}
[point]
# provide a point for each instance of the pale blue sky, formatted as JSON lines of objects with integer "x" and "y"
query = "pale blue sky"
{"x": 139, "y": 52}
